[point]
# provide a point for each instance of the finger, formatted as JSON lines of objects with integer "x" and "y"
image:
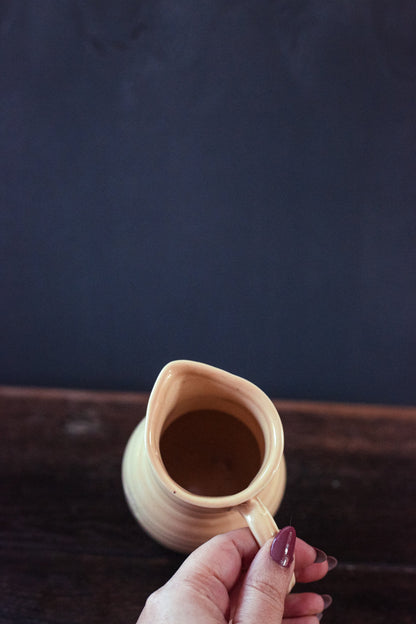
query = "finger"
{"x": 312, "y": 573}
{"x": 316, "y": 571}
{"x": 307, "y": 555}
{"x": 307, "y": 603}
{"x": 311, "y": 563}
{"x": 307, "y": 619}
{"x": 225, "y": 556}
{"x": 214, "y": 568}
{"x": 266, "y": 584}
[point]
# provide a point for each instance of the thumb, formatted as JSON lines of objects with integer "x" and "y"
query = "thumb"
{"x": 265, "y": 587}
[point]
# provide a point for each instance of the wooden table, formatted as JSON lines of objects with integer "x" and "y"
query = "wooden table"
{"x": 72, "y": 553}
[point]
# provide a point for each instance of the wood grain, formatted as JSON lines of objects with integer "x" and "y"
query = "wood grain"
{"x": 72, "y": 552}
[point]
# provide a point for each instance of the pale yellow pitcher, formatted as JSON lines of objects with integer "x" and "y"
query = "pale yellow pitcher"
{"x": 207, "y": 458}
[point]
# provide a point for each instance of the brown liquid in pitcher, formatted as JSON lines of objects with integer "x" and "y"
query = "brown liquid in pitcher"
{"x": 210, "y": 453}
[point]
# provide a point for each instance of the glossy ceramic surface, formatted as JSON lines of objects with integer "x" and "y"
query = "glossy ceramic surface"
{"x": 171, "y": 514}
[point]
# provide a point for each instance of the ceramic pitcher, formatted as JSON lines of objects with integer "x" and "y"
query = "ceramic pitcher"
{"x": 244, "y": 445}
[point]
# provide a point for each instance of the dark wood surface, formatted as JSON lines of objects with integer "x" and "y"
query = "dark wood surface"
{"x": 72, "y": 553}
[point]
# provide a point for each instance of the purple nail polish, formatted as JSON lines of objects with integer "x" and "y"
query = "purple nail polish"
{"x": 327, "y": 601}
{"x": 320, "y": 556}
{"x": 283, "y": 547}
{"x": 332, "y": 563}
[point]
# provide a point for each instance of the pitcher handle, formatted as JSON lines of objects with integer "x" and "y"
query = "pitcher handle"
{"x": 261, "y": 523}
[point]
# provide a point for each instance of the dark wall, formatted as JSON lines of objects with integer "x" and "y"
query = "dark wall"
{"x": 227, "y": 181}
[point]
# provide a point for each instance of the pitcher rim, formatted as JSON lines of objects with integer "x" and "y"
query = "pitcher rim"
{"x": 274, "y": 442}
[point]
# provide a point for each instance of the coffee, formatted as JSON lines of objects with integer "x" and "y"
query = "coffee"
{"x": 210, "y": 453}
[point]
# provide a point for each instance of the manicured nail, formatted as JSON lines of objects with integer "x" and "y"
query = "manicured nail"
{"x": 283, "y": 547}
{"x": 327, "y": 603}
{"x": 320, "y": 556}
{"x": 332, "y": 563}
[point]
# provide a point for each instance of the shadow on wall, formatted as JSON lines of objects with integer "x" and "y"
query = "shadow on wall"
{"x": 231, "y": 183}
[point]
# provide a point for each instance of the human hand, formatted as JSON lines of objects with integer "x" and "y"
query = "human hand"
{"x": 228, "y": 579}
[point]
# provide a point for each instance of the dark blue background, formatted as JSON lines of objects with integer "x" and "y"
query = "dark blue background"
{"x": 227, "y": 181}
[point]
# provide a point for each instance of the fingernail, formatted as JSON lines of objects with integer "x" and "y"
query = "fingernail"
{"x": 332, "y": 563}
{"x": 327, "y": 601}
{"x": 283, "y": 547}
{"x": 320, "y": 556}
